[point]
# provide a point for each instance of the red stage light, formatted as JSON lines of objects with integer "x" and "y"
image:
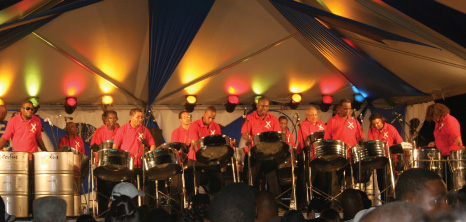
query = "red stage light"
{"x": 233, "y": 99}
{"x": 327, "y": 99}
{"x": 71, "y": 101}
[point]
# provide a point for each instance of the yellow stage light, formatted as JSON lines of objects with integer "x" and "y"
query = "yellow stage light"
{"x": 191, "y": 99}
{"x": 107, "y": 100}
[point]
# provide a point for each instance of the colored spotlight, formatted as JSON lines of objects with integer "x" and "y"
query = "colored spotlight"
{"x": 70, "y": 104}
{"x": 296, "y": 98}
{"x": 1, "y": 102}
{"x": 107, "y": 100}
{"x": 327, "y": 99}
{"x": 233, "y": 99}
{"x": 359, "y": 98}
{"x": 191, "y": 99}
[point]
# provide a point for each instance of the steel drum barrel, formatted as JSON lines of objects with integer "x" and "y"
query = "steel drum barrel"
{"x": 328, "y": 155}
{"x": 430, "y": 159}
{"x": 14, "y": 182}
{"x": 457, "y": 164}
{"x": 58, "y": 174}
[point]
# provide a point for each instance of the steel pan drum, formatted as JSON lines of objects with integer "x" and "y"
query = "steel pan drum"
{"x": 161, "y": 164}
{"x": 372, "y": 154}
{"x": 400, "y": 147}
{"x": 215, "y": 149}
{"x": 84, "y": 161}
{"x": 318, "y": 135}
{"x": 113, "y": 165}
{"x": 457, "y": 164}
{"x": 57, "y": 174}
{"x": 430, "y": 158}
{"x": 180, "y": 147}
{"x": 328, "y": 155}
{"x": 14, "y": 182}
{"x": 270, "y": 145}
{"x": 107, "y": 145}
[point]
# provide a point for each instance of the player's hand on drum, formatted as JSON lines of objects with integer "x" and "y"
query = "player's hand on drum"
{"x": 431, "y": 144}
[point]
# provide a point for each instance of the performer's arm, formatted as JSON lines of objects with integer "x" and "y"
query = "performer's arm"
{"x": 2, "y": 143}
{"x": 41, "y": 145}
{"x": 459, "y": 142}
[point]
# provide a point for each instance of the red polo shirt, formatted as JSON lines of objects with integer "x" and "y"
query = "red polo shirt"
{"x": 345, "y": 130}
{"x": 306, "y": 129}
{"x": 289, "y": 138}
{"x": 180, "y": 135}
{"x": 389, "y": 134}
{"x": 76, "y": 142}
{"x": 129, "y": 139}
{"x": 446, "y": 130}
{"x": 197, "y": 130}
{"x": 103, "y": 134}
{"x": 25, "y": 133}
{"x": 255, "y": 125}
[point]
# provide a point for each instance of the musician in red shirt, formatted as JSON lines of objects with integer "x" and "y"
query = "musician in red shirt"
{"x": 71, "y": 139}
{"x": 380, "y": 130}
{"x": 133, "y": 136}
{"x": 284, "y": 129}
{"x": 258, "y": 122}
{"x": 180, "y": 134}
{"x": 107, "y": 131}
{"x": 25, "y": 130}
{"x": 447, "y": 130}
{"x": 205, "y": 175}
{"x": 310, "y": 125}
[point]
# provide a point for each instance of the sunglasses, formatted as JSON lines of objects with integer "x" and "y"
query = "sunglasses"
{"x": 28, "y": 108}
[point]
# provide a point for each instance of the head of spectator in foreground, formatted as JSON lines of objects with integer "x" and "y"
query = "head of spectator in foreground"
{"x": 351, "y": 202}
{"x": 331, "y": 215}
{"x": 293, "y": 216}
{"x": 49, "y": 209}
{"x": 123, "y": 210}
{"x": 126, "y": 189}
{"x": 266, "y": 206}
{"x": 235, "y": 202}
{"x": 398, "y": 211}
{"x": 424, "y": 188}
{"x": 85, "y": 218}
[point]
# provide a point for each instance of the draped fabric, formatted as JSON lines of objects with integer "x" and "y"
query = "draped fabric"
{"x": 365, "y": 30}
{"x": 173, "y": 25}
{"x": 13, "y": 31}
{"x": 368, "y": 76}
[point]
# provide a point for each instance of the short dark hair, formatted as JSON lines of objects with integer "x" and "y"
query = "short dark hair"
{"x": 211, "y": 108}
{"x": 181, "y": 113}
{"x": 413, "y": 181}
{"x": 344, "y": 101}
{"x": 123, "y": 210}
{"x": 111, "y": 111}
{"x": 263, "y": 98}
{"x": 377, "y": 116}
{"x": 235, "y": 202}
{"x": 282, "y": 117}
{"x": 134, "y": 110}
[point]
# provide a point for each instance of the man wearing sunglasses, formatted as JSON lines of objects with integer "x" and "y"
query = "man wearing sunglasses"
{"x": 24, "y": 129}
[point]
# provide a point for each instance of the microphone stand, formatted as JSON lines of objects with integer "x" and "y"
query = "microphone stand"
{"x": 359, "y": 153}
{"x": 51, "y": 130}
{"x": 248, "y": 142}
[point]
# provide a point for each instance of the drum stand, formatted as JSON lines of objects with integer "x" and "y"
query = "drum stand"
{"x": 293, "y": 204}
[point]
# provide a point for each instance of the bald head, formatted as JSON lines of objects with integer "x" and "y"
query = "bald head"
{"x": 266, "y": 206}
{"x": 399, "y": 211}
